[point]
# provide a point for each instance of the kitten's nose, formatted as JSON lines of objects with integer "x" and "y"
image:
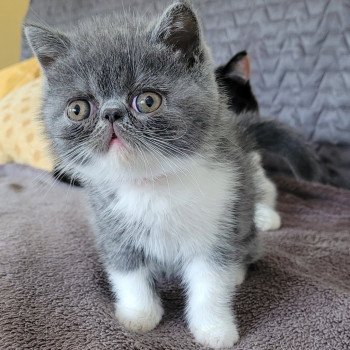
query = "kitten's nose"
{"x": 112, "y": 114}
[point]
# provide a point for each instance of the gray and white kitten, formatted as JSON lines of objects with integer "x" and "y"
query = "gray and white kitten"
{"x": 133, "y": 109}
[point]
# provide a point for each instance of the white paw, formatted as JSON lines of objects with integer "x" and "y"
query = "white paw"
{"x": 266, "y": 218}
{"x": 139, "y": 320}
{"x": 216, "y": 335}
{"x": 240, "y": 276}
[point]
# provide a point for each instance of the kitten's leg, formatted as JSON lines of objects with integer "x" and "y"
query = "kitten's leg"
{"x": 138, "y": 307}
{"x": 210, "y": 290}
{"x": 265, "y": 217}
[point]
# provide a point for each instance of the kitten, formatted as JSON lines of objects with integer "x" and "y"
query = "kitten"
{"x": 283, "y": 150}
{"x": 133, "y": 110}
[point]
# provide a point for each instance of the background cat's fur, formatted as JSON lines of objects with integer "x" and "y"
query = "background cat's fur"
{"x": 183, "y": 191}
{"x": 283, "y": 150}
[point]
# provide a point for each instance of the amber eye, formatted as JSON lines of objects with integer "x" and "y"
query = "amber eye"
{"x": 147, "y": 102}
{"x": 79, "y": 110}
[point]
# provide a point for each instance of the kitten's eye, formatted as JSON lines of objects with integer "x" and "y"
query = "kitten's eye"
{"x": 79, "y": 110}
{"x": 147, "y": 102}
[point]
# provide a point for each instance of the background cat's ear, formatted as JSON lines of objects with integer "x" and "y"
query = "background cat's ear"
{"x": 238, "y": 66}
{"x": 47, "y": 44}
{"x": 179, "y": 29}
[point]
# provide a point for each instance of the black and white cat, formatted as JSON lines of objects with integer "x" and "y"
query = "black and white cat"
{"x": 282, "y": 149}
{"x": 175, "y": 183}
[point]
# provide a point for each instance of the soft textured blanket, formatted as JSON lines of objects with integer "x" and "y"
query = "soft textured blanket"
{"x": 54, "y": 294}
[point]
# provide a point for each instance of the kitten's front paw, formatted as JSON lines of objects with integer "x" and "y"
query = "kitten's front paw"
{"x": 216, "y": 335}
{"x": 139, "y": 320}
{"x": 240, "y": 275}
{"x": 266, "y": 218}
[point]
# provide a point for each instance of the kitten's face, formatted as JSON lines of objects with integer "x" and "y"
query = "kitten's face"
{"x": 127, "y": 95}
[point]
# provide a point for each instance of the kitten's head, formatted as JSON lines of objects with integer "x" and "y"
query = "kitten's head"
{"x": 132, "y": 95}
{"x": 233, "y": 79}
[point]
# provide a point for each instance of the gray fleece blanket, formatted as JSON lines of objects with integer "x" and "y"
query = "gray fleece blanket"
{"x": 54, "y": 293}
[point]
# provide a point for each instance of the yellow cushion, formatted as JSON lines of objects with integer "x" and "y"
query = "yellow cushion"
{"x": 17, "y": 75}
{"x": 22, "y": 138}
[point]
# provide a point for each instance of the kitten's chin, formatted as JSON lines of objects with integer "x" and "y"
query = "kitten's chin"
{"x": 123, "y": 164}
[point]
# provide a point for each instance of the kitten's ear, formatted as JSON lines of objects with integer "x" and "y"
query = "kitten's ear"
{"x": 179, "y": 29}
{"x": 238, "y": 66}
{"x": 47, "y": 44}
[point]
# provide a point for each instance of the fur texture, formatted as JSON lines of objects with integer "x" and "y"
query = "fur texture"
{"x": 175, "y": 190}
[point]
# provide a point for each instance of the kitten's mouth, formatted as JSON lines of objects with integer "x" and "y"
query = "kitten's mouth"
{"x": 115, "y": 141}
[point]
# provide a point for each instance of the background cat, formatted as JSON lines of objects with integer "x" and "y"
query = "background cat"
{"x": 283, "y": 150}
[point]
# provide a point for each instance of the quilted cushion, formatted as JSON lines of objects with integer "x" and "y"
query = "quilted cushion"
{"x": 300, "y": 52}
{"x": 22, "y": 138}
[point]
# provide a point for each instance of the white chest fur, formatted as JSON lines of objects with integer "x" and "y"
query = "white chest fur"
{"x": 177, "y": 216}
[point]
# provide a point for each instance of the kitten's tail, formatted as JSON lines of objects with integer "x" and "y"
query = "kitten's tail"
{"x": 275, "y": 139}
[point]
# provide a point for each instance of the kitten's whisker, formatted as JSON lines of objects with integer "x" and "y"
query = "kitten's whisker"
{"x": 67, "y": 164}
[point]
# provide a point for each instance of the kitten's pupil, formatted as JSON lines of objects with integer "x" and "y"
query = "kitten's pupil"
{"x": 149, "y": 101}
{"x": 76, "y": 109}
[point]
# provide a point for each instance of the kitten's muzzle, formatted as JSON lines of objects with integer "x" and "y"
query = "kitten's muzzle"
{"x": 112, "y": 114}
